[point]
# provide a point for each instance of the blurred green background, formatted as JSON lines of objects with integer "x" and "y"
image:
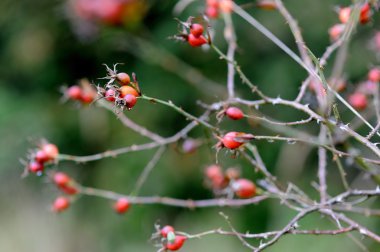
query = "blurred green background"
{"x": 43, "y": 48}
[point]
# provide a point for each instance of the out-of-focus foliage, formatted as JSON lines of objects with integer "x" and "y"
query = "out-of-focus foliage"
{"x": 42, "y": 48}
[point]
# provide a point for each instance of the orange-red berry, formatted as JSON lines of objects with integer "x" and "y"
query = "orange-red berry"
{"x": 177, "y": 243}
{"x": 336, "y": 31}
{"x": 365, "y": 13}
{"x": 266, "y": 4}
{"x": 166, "y": 230}
{"x": 244, "y": 188}
{"x": 121, "y": 205}
{"x": 61, "y": 179}
{"x": 51, "y": 150}
{"x": 234, "y": 113}
{"x": 374, "y": 75}
{"x": 125, "y": 90}
{"x": 35, "y": 167}
{"x": 195, "y": 42}
{"x": 41, "y": 156}
{"x": 196, "y": 30}
{"x": 74, "y": 92}
{"x": 60, "y": 204}
{"x": 226, "y": 6}
{"x": 123, "y": 78}
{"x": 358, "y": 101}
{"x": 229, "y": 140}
{"x": 110, "y": 95}
{"x": 344, "y": 14}
{"x": 130, "y": 100}
{"x": 212, "y": 12}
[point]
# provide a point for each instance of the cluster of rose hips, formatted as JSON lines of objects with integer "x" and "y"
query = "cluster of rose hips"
{"x": 46, "y": 153}
{"x": 344, "y": 14}
{"x": 214, "y": 7}
{"x": 168, "y": 238}
{"x": 229, "y": 181}
{"x": 192, "y": 33}
{"x": 83, "y": 93}
{"x": 120, "y": 89}
{"x": 104, "y": 11}
{"x": 68, "y": 186}
{"x": 358, "y": 99}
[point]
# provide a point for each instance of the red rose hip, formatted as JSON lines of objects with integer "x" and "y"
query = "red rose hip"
{"x": 196, "y": 30}
{"x": 177, "y": 244}
{"x": 51, "y": 150}
{"x": 123, "y": 78}
{"x": 234, "y": 113}
{"x": 74, "y": 92}
{"x": 60, "y": 204}
{"x": 122, "y": 205}
{"x": 35, "y": 167}
{"x": 244, "y": 188}
{"x": 61, "y": 179}
{"x": 166, "y": 230}
{"x": 196, "y": 42}
{"x": 358, "y": 101}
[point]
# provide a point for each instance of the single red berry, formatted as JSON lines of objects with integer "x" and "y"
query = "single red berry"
{"x": 213, "y": 171}
{"x": 374, "y": 75}
{"x": 344, "y": 14}
{"x": 215, "y": 175}
{"x": 123, "y": 78}
{"x": 125, "y": 90}
{"x": 212, "y": 3}
{"x": 35, "y": 167}
{"x": 244, "y": 188}
{"x": 74, "y": 92}
{"x": 110, "y": 11}
{"x": 226, "y": 6}
{"x": 110, "y": 95}
{"x": 365, "y": 13}
{"x": 336, "y": 31}
{"x": 41, "y": 156}
{"x": 51, "y": 150}
{"x": 61, "y": 179}
{"x": 87, "y": 97}
{"x": 166, "y": 230}
{"x": 177, "y": 244}
{"x": 212, "y": 12}
{"x": 234, "y": 113}
{"x": 60, "y": 204}
{"x": 122, "y": 205}
{"x": 229, "y": 140}
{"x": 130, "y": 100}
{"x": 358, "y": 101}
{"x": 196, "y": 30}
{"x": 195, "y": 42}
